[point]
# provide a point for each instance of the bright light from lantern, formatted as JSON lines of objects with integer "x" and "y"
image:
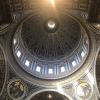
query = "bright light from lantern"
{"x": 51, "y": 24}
{"x": 98, "y": 25}
{"x": 52, "y": 2}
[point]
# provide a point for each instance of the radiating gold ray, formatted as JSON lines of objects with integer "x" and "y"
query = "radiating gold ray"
{"x": 52, "y": 2}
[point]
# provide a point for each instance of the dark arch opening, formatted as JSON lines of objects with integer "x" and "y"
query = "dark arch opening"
{"x": 49, "y": 95}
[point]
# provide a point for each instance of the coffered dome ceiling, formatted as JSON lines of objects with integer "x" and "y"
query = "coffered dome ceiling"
{"x": 50, "y": 45}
